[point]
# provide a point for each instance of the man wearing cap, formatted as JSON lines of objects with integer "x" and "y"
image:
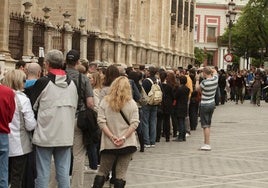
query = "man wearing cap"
{"x": 85, "y": 101}
{"x": 54, "y": 98}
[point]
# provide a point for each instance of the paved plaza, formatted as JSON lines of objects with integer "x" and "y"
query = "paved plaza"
{"x": 239, "y": 156}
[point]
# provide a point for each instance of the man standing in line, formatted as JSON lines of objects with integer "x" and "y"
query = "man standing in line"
{"x": 55, "y": 98}
{"x": 7, "y": 108}
{"x": 208, "y": 87}
{"x": 85, "y": 101}
{"x": 149, "y": 117}
{"x": 33, "y": 72}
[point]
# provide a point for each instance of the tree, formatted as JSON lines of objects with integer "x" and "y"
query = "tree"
{"x": 200, "y": 55}
{"x": 249, "y": 33}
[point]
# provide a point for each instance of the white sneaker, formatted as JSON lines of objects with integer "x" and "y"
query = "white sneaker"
{"x": 147, "y": 146}
{"x": 206, "y": 147}
{"x": 153, "y": 146}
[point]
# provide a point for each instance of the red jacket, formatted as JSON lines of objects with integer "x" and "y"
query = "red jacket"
{"x": 7, "y": 108}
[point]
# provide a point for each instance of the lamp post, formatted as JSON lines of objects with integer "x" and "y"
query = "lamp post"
{"x": 230, "y": 19}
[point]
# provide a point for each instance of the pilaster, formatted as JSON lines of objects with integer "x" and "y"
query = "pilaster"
{"x": 148, "y": 56}
{"x": 104, "y": 50}
{"x": 139, "y": 56}
{"x": 117, "y": 52}
{"x": 129, "y": 55}
{"x": 97, "y": 49}
{"x": 4, "y": 31}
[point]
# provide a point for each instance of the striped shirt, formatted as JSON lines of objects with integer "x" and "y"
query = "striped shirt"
{"x": 209, "y": 87}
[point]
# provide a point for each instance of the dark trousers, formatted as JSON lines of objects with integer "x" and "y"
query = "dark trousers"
{"x": 181, "y": 128}
{"x": 17, "y": 168}
{"x": 217, "y": 96}
{"x": 159, "y": 126}
{"x": 193, "y": 114}
{"x": 93, "y": 157}
{"x": 174, "y": 121}
{"x": 30, "y": 173}
{"x": 140, "y": 137}
{"x": 223, "y": 95}
{"x": 163, "y": 120}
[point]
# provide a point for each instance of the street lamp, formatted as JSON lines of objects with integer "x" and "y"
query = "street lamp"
{"x": 230, "y": 19}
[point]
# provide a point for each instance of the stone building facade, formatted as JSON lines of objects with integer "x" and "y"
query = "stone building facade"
{"x": 158, "y": 32}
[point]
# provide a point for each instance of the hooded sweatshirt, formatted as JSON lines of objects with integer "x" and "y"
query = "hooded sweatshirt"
{"x": 54, "y": 98}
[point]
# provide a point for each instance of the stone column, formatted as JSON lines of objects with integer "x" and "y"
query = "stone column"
{"x": 4, "y": 31}
{"x": 48, "y": 39}
{"x": 83, "y": 39}
{"x": 68, "y": 33}
{"x": 28, "y": 30}
{"x": 117, "y": 52}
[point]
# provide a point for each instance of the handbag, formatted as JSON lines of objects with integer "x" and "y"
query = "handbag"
{"x": 82, "y": 115}
{"x": 86, "y": 118}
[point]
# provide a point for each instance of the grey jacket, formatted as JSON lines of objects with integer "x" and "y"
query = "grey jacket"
{"x": 54, "y": 98}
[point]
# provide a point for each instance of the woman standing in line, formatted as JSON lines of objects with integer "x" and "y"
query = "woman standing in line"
{"x": 118, "y": 141}
{"x": 23, "y": 122}
{"x": 181, "y": 108}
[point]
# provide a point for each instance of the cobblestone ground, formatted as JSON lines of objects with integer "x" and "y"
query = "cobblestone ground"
{"x": 239, "y": 140}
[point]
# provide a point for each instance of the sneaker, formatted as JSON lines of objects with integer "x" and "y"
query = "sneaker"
{"x": 147, "y": 146}
{"x": 205, "y": 147}
{"x": 188, "y": 134}
{"x": 153, "y": 146}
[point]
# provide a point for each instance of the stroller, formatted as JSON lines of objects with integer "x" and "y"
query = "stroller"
{"x": 265, "y": 93}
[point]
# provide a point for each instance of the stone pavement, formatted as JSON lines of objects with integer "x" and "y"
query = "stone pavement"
{"x": 239, "y": 156}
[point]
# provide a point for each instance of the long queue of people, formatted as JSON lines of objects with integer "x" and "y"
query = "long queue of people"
{"x": 38, "y": 122}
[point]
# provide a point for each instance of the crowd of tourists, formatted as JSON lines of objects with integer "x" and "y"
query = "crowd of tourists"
{"x": 43, "y": 110}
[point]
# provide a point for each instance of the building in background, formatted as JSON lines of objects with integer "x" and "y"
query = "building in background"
{"x": 210, "y": 23}
{"x": 159, "y": 32}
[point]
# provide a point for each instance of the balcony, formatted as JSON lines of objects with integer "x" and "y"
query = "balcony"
{"x": 211, "y": 39}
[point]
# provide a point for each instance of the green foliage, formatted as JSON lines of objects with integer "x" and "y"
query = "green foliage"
{"x": 256, "y": 62}
{"x": 200, "y": 55}
{"x": 250, "y": 32}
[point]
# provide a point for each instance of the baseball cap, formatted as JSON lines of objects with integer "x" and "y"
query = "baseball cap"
{"x": 73, "y": 55}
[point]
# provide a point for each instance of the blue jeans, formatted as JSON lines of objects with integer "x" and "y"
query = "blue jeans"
{"x": 148, "y": 122}
{"x": 62, "y": 159}
{"x": 4, "y": 149}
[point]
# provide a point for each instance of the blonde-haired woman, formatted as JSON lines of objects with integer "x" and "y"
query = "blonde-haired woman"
{"x": 23, "y": 121}
{"x": 118, "y": 141}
